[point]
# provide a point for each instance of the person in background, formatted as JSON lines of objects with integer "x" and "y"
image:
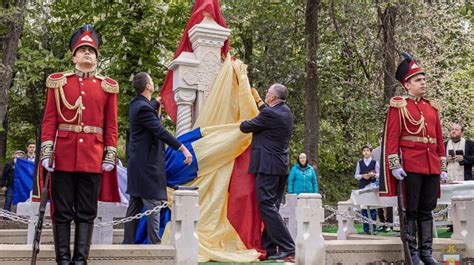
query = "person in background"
{"x": 30, "y": 151}
{"x": 7, "y": 179}
{"x": 384, "y": 214}
{"x": 459, "y": 154}
{"x": 367, "y": 172}
{"x": 303, "y": 178}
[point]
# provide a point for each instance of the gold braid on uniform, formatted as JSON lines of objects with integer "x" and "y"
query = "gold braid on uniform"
{"x": 444, "y": 164}
{"x": 58, "y": 83}
{"x": 110, "y": 154}
{"x": 394, "y": 161}
{"x": 46, "y": 149}
{"x": 401, "y": 104}
{"x": 108, "y": 85}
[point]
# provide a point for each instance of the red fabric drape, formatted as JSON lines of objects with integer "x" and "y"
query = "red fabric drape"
{"x": 201, "y": 6}
{"x": 242, "y": 210}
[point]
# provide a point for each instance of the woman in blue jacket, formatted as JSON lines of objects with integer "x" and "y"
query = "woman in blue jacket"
{"x": 303, "y": 178}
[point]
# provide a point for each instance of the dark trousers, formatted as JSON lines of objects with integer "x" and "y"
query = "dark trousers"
{"x": 421, "y": 193}
{"x": 8, "y": 199}
{"x": 385, "y": 214}
{"x": 135, "y": 206}
{"x": 373, "y": 217}
{"x": 74, "y": 196}
{"x": 269, "y": 192}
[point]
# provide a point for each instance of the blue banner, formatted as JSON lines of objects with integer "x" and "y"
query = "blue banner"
{"x": 23, "y": 180}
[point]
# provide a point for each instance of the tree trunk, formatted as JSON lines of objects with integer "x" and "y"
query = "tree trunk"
{"x": 389, "y": 53}
{"x": 14, "y": 24}
{"x": 312, "y": 103}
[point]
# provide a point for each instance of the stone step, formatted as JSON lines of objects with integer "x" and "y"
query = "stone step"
{"x": 389, "y": 251}
{"x": 99, "y": 255}
{"x": 18, "y": 236}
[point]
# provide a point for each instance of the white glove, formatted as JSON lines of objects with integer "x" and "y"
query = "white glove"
{"x": 399, "y": 173}
{"x": 444, "y": 176}
{"x": 107, "y": 167}
{"x": 45, "y": 164}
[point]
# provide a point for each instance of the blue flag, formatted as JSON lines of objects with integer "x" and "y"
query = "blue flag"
{"x": 23, "y": 180}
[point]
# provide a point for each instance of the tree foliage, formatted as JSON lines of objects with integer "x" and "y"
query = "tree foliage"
{"x": 270, "y": 37}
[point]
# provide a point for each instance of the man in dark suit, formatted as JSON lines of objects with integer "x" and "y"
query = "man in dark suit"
{"x": 146, "y": 165}
{"x": 269, "y": 162}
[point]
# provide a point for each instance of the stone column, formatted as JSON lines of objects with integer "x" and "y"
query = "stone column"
{"x": 184, "y": 218}
{"x": 310, "y": 247}
{"x": 194, "y": 72}
{"x": 462, "y": 214}
{"x": 184, "y": 90}
{"x": 345, "y": 225}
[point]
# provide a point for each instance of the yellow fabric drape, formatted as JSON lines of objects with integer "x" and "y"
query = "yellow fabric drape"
{"x": 229, "y": 102}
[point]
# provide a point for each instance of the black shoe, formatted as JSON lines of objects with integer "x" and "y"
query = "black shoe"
{"x": 62, "y": 237}
{"x": 82, "y": 243}
{"x": 425, "y": 233}
{"x": 281, "y": 255}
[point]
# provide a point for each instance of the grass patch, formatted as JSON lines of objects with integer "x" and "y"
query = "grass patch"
{"x": 442, "y": 232}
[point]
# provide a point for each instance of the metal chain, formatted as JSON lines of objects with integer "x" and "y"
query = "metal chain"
{"x": 157, "y": 209}
{"x": 20, "y": 219}
{"x": 357, "y": 216}
{"x": 353, "y": 213}
{"x": 47, "y": 224}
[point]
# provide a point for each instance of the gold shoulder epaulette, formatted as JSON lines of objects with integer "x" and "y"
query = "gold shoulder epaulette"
{"x": 57, "y": 80}
{"x": 435, "y": 104}
{"x": 398, "y": 102}
{"x": 108, "y": 84}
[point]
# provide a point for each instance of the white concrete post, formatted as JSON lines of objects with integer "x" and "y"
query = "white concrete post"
{"x": 194, "y": 72}
{"x": 288, "y": 211}
{"x": 106, "y": 211}
{"x": 345, "y": 225}
{"x": 462, "y": 214}
{"x": 184, "y": 219}
{"x": 30, "y": 209}
{"x": 310, "y": 247}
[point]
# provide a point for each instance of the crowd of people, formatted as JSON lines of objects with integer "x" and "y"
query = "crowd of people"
{"x": 84, "y": 133}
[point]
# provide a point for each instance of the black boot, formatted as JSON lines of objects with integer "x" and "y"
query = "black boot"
{"x": 62, "y": 237}
{"x": 82, "y": 242}
{"x": 425, "y": 234}
{"x": 415, "y": 255}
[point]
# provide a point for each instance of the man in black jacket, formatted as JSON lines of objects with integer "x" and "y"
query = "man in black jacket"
{"x": 269, "y": 161}
{"x": 146, "y": 165}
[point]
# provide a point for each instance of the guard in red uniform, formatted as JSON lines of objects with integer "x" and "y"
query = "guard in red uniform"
{"x": 413, "y": 151}
{"x": 80, "y": 123}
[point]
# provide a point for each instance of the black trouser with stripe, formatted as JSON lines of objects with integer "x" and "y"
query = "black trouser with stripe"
{"x": 269, "y": 191}
{"x": 421, "y": 193}
{"x": 74, "y": 196}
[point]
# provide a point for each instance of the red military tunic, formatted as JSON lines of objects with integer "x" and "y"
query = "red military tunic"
{"x": 413, "y": 136}
{"x": 89, "y": 102}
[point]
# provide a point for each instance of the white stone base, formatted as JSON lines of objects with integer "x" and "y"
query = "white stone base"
{"x": 99, "y": 254}
{"x": 358, "y": 252}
